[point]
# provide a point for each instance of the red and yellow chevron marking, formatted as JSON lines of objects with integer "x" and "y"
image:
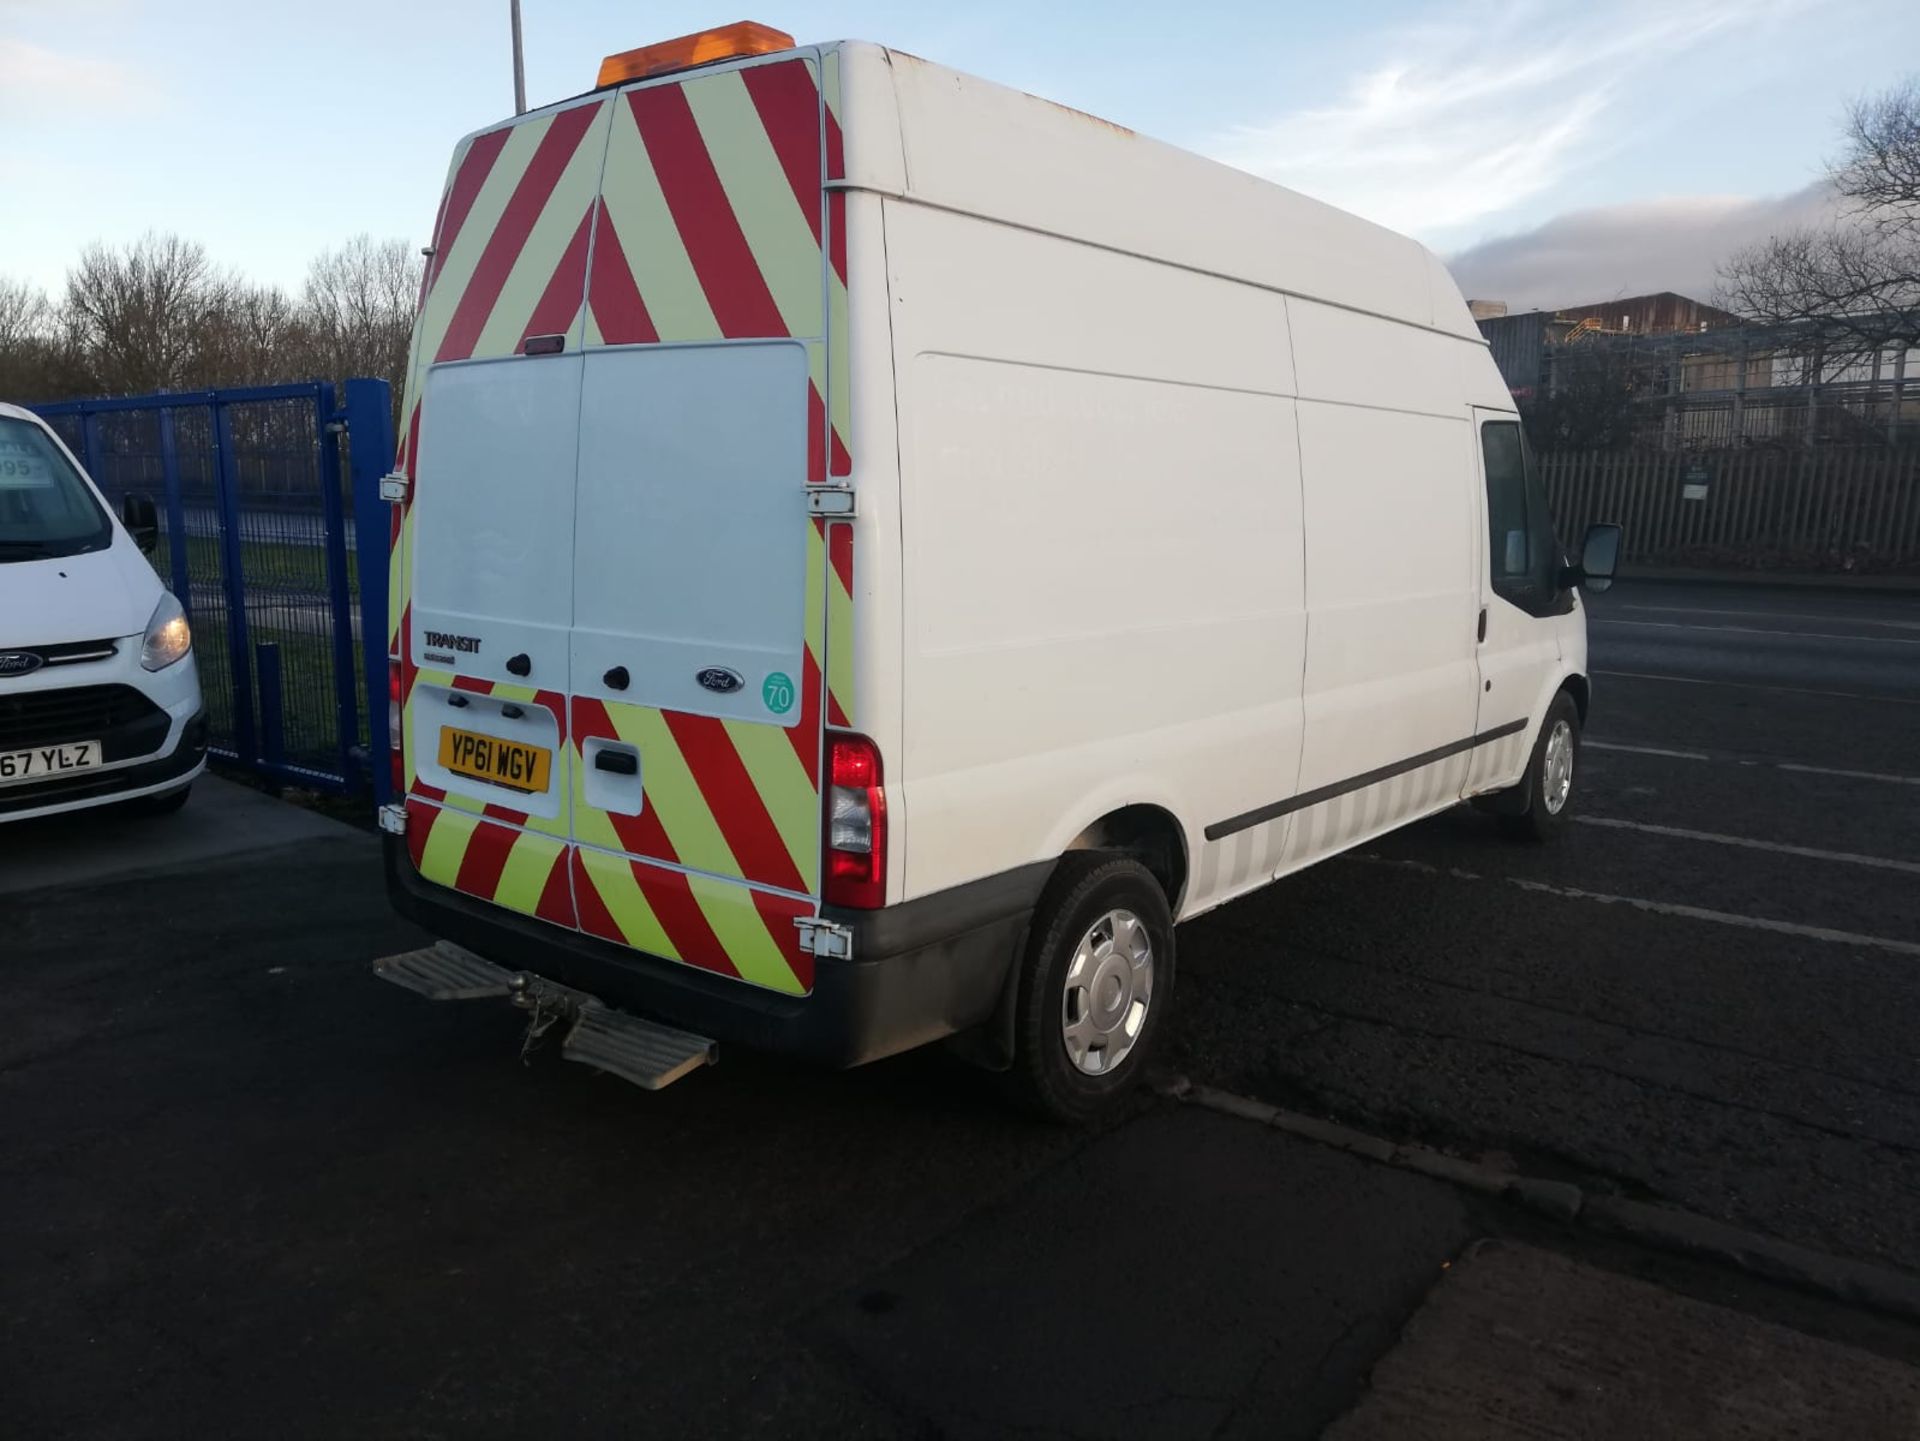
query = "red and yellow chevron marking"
{"x": 513, "y": 868}
{"x": 719, "y": 926}
{"x": 839, "y": 539}
{"x": 839, "y": 384}
{"x": 679, "y": 212}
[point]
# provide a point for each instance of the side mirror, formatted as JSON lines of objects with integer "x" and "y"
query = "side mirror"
{"x": 1599, "y": 559}
{"x": 142, "y": 522}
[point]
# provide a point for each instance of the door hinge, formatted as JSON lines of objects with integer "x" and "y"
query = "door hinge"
{"x": 393, "y": 820}
{"x": 826, "y": 938}
{"x": 831, "y": 500}
{"x": 394, "y": 486}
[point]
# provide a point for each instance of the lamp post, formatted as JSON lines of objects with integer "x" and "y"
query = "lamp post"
{"x": 519, "y": 63}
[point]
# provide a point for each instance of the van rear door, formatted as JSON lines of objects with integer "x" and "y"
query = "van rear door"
{"x": 698, "y": 573}
{"x": 487, "y": 539}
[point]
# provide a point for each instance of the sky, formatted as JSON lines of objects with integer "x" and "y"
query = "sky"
{"x": 1554, "y": 151}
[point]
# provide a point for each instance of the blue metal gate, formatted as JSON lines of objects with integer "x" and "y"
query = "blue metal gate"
{"x": 265, "y": 496}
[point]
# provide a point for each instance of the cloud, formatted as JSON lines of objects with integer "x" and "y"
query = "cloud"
{"x": 36, "y": 80}
{"x": 1475, "y": 116}
{"x": 1616, "y": 250}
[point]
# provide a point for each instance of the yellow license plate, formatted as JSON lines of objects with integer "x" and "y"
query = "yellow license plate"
{"x": 513, "y": 764}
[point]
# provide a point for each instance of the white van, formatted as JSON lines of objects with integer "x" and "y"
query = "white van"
{"x": 875, "y": 549}
{"x": 99, "y": 697}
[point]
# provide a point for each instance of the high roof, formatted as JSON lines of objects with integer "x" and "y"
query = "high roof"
{"x": 926, "y": 133}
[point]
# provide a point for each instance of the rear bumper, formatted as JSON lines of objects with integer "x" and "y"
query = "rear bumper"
{"x": 920, "y": 971}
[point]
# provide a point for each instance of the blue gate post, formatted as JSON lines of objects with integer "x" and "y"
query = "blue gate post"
{"x": 233, "y": 579}
{"x": 273, "y": 719}
{"x": 340, "y": 606}
{"x": 176, "y": 513}
{"x": 369, "y": 417}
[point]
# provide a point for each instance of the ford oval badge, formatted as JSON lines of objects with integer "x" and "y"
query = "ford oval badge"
{"x": 719, "y": 678}
{"x": 25, "y": 662}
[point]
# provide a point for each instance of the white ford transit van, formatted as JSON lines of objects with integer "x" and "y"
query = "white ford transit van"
{"x": 875, "y": 549}
{"x": 99, "y": 697}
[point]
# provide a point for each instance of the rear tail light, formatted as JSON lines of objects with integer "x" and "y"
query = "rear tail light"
{"x": 396, "y": 759}
{"x": 856, "y": 823}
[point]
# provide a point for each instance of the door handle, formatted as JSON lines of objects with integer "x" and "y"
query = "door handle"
{"x": 616, "y": 678}
{"x": 621, "y": 763}
{"x": 519, "y": 664}
{"x": 1483, "y": 624}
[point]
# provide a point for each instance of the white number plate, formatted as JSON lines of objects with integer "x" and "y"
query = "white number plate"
{"x": 44, "y": 761}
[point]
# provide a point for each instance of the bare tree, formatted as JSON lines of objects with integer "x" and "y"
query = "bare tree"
{"x": 254, "y": 335}
{"x": 1853, "y": 285}
{"x": 358, "y": 304}
{"x": 26, "y": 315}
{"x": 40, "y": 359}
{"x": 142, "y": 312}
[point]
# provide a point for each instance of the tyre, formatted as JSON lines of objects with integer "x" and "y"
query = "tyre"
{"x": 1550, "y": 775}
{"x": 1095, "y": 986}
{"x": 163, "y": 804}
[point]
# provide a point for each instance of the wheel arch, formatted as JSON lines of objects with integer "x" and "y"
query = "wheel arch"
{"x": 1151, "y": 835}
{"x": 1581, "y": 689}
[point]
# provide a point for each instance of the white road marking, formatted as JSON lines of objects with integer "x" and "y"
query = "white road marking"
{"x": 1811, "y": 852}
{"x": 1769, "y": 615}
{"x": 1592, "y": 745}
{"x": 1877, "y": 776}
{"x": 1756, "y": 630}
{"x": 1670, "y": 908}
{"x": 1755, "y": 685}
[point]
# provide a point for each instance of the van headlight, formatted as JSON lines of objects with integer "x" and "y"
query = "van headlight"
{"x": 168, "y": 635}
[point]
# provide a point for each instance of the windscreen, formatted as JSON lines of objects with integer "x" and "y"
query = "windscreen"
{"x": 46, "y": 509}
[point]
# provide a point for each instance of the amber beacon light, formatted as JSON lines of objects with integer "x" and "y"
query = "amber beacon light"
{"x": 704, "y": 47}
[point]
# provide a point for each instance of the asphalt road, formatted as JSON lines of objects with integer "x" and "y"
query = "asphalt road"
{"x": 250, "y": 1190}
{"x": 1707, "y": 992}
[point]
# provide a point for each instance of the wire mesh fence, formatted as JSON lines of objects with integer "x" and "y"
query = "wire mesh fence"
{"x": 258, "y": 539}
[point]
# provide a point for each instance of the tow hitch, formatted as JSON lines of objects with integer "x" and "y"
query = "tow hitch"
{"x": 644, "y": 1052}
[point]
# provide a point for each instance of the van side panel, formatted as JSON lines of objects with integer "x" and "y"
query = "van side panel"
{"x": 1101, "y": 543}
{"x": 1392, "y": 595}
{"x": 985, "y": 149}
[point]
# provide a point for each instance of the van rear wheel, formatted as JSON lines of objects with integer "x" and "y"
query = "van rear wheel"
{"x": 1550, "y": 775}
{"x": 1095, "y": 986}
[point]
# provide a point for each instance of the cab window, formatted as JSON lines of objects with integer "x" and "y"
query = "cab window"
{"x": 1523, "y": 555}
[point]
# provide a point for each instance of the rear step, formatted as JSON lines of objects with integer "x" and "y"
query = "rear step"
{"x": 445, "y": 972}
{"x": 644, "y": 1052}
{"x": 641, "y": 1051}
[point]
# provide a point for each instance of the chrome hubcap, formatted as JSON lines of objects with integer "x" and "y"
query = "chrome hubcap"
{"x": 1557, "y": 777}
{"x": 1109, "y": 987}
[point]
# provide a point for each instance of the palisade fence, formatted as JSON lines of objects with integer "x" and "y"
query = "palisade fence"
{"x": 1854, "y": 509}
